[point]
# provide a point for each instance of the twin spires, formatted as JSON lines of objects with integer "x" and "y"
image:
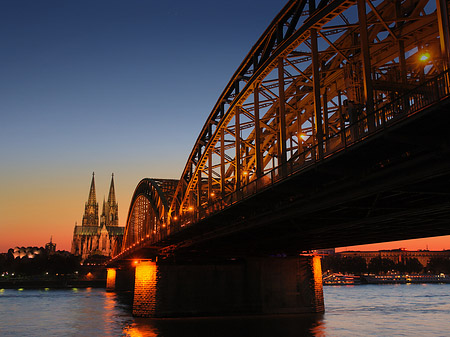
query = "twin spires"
{"x": 109, "y": 216}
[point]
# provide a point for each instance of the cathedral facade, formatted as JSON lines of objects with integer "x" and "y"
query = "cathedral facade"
{"x": 98, "y": 235}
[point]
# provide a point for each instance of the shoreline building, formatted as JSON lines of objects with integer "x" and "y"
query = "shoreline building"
{"x": 398, "y": 255}
{"x": 96, "y": 237}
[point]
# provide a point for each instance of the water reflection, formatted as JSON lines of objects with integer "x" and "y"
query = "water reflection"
{"x": 378, "y": 310}
{"x": 261, "y": 326}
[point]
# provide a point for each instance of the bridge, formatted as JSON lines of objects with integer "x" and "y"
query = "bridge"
{"x": 332, "y": 132}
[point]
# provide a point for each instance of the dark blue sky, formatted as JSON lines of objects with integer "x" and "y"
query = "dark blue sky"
{"x": 106, "y": 86}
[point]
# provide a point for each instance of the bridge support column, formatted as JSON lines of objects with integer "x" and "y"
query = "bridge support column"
{"x": 246, "y": 286}
{"x": 289, "y": 285}
{"x": 111, "y": 279}
{"x": 144, "y": 299}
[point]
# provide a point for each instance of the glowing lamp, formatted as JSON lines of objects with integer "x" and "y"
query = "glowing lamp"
{"x": 245, "y": 173}
{"x": 212, "y": 194}
{"x": 191, "y": 208}
{"x": 135, "y": 261}
{"x": 424, "y": 57}
{"x": 175, "y": 218}
{"x": 304, "y": 136}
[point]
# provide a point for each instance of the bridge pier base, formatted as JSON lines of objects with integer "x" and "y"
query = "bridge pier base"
{"x": 110, "y": 279}
{"x": 268, "y": 285}
{"x": 120, "y": 279}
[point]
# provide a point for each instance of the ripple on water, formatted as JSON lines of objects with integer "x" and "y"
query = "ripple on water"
{"x": 367, "y": 310}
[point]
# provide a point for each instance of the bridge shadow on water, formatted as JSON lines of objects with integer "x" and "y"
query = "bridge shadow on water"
{"x": 261, "y": 326}
{"x": 308, "y": 325}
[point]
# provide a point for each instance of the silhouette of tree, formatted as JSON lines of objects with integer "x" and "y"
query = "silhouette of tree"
{"x": 410, "y": 265}
{"x": 380, "y": 265}
{"x": 349, "y": 264}
{"x": 58, "y": 263}
{"x": 439, "y": 265}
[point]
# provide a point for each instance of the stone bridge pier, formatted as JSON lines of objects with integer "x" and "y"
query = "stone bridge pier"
{"x": 254, "y": 285}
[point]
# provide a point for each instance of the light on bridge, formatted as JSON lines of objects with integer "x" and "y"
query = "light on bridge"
{"x": 424, "y": 56}
{"x": 175, "y": 218}
{"x": 304, "y": 136}
{"x": 212, "y": 194}
{"x": 191, "y": 208}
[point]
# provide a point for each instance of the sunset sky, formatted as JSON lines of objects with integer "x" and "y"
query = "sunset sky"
{"x": 110, "y": 86}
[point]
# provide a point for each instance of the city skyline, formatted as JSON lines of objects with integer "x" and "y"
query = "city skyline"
{"x": 109, "y": 87}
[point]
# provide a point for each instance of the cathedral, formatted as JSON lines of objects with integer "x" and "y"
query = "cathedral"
{"x": 96, "y": 237}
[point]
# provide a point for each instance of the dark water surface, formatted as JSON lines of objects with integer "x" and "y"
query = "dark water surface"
{"x": 365, "y": 310}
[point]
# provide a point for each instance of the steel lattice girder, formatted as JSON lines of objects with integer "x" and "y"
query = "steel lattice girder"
{"x": 280, "y": 65}
{"x": 148, "y": 210}
{"x": 305, "y": 90}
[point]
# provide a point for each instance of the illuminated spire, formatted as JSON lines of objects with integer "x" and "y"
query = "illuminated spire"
{"x": 90, "y": 217}
{"x": 92, "y": 200}
{"x": 112, "y": 193}
{"x": 112, "y": 211}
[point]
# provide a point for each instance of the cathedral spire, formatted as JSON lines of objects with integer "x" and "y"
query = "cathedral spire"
{"x": 112, "y": 193}
{"x": 90, "y": 217}
{"x": 112, "y": 211}
{"x": 92, "y": 197}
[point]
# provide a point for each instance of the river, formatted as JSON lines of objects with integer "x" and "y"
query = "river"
{"x": 363, "y": 310}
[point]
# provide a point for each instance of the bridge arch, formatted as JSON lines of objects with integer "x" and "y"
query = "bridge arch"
{"x": 147, "y": 215}
{"x": 322, "y": 77}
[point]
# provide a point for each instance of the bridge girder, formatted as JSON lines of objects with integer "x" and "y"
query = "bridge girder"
{"x": 277, "y": 75}
{"x": 322, "y": 78}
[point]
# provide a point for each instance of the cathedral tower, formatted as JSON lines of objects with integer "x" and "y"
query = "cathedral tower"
{"x": 112, "y": 208}
{"x": 92, "y": 239}
{"x": 90, "y": 217}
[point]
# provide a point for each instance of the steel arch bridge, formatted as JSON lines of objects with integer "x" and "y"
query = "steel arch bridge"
{"x": 147, "y": 215}
{"x": 324, "y": 76}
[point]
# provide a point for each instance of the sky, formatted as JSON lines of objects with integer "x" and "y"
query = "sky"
{"x": 109, "y": 86}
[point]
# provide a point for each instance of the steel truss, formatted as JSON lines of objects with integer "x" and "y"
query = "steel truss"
{"x": 323, "y": 76}
{"x": 147, "y": 215}
{"x": 308, "y": 88}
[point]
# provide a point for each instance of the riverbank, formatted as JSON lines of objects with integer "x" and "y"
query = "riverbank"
{"x": 52, "y": 284}
{"x": 341, "y": 279}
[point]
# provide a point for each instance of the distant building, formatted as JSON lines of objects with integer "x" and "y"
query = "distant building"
{"x": 32, "y": 252}
{"x": 399, "y": 255}
{"x": 325, "y": 252}
{"x": 29, "y": 252}
{"x": 94, "y": 237}
{"x": 50, "y": 247}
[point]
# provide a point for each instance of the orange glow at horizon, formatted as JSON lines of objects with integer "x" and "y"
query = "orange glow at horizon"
{"x": 431, "y": 243}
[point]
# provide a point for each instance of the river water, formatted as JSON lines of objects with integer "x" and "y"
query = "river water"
{"x": 364, "y": 310}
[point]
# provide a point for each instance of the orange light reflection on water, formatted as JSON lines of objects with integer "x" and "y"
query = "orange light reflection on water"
{"x": 136, "y": 331}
